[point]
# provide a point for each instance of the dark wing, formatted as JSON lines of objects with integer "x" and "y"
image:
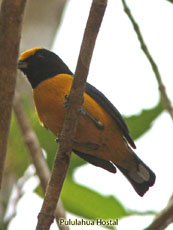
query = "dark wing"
{"x": 110, "y": 108}
{"x": 107, "y": 165}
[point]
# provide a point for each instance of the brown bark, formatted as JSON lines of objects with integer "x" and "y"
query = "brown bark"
{"x": 164, "y": 218}
{"x": 36, "y": 154}
{"x": 75, "y": 99}
{"x": 10, "y": 31}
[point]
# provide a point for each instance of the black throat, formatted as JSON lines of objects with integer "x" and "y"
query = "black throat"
{"x": 43, "y": 65}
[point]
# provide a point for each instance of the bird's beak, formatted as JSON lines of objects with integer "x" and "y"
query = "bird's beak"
{"x": 22, "y": 65}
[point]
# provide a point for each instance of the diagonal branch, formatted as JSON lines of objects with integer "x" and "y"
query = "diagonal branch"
{"x": 164, "y": 218}
{"x": 14, "y": 201}
{"x": 165, "y": 99}
{"x": 75, "y": 100}
{"x": 11, "y": 15}
{"x": 36, "y": 154}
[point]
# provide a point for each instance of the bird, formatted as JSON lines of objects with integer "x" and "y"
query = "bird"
{"x": 102, "y": 136}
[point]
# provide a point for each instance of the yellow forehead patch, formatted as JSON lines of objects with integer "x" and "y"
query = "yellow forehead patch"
{"x": 28, "y": 53}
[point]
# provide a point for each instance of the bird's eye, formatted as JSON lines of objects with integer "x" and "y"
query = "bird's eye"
{"x": 40, "y": 56}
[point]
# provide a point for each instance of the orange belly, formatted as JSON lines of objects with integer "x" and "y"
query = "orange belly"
{"x": 49, "y": 97}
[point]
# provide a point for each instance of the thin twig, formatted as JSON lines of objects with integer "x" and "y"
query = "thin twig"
{"x": 75, "y": 99}
{"x": 35, "y": 151}
{"x": 11, "y": 15}
{"x": 18, "y": 188}
{"x": 165, "y": 99}
{"x": 164, "y": 218}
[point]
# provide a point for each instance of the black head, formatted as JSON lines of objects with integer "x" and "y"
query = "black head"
{"x": 39, "y": 64}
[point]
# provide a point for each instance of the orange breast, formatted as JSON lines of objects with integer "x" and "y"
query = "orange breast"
{"x": 49, "y": 97}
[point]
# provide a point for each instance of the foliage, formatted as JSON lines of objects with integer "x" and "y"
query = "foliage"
{"x": 170, "y": 1}
{"x": 76, "y": 198}
{"x": 141, "y": 123}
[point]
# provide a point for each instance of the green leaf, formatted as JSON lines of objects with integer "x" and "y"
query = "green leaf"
{"x": 76, "y": 198}
{"x": 138, "y": 125}
{"x": 171, "y": 1}
{"x": 17, "y": 156}
{"x": 75, "y": 163}
{"x": 141, "y": 123}
{"x": 89, "y": 204}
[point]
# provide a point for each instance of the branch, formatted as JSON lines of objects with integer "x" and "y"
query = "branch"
{"x": 75, "y": 100}
{"x": 18, "y": 194}
{"x": 162, "y": 89}
{"x": 11, "y": 15}
{"x": 35, "y": 151}
{"x": 164, "y": 218}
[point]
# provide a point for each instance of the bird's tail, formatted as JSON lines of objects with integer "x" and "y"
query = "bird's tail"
{"x": 140, "y": 175}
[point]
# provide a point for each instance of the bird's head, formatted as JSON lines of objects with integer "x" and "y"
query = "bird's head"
{"x": 39, "y": 64}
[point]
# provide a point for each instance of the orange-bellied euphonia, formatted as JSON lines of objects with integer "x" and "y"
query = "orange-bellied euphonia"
{"x": 102, "y": 136}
